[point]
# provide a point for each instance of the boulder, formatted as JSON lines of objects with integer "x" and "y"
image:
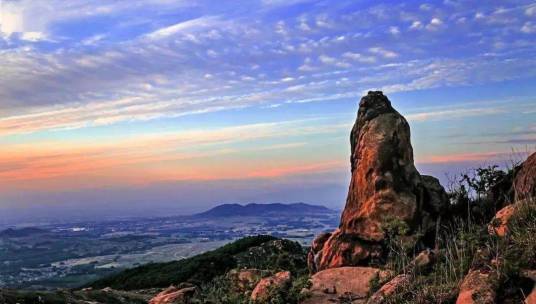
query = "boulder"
{"x": 348, "y": 283}
{"x": 385, "y": 187}
{"x": 503, "y": 218}
{"x": 478, "y": 287}
{"x": 499, "y": 224}
{"x": 266, "y": 286}
{"x": 531, "y": 298}
{"x": 174, "y": 295}
{"x": 422, "y": 262}
{"x": 390, "y": 288}
{"x": 525, "y": 179}
{"x": 244, "y": 279}
{"x": 530, "y": 274}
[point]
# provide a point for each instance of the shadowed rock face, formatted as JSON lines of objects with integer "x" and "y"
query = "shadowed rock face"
{"x": 385, "y": 185}
{"x": 525, "y": 179}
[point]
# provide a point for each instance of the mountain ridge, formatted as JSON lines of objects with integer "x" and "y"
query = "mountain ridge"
{"x": 255, "y": 209}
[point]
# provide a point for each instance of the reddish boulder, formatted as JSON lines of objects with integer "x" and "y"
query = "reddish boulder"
{"x": 390, "y": 288}
{"x": 174, "y": 295}
{"x": 499, "y": 224}
{"x": 265, "y": 287}
{"x": 348, "y": 283}
{"x": 478, "y": 287}
{"x": 525, "y": 179}
{"x": 530, "y": 274}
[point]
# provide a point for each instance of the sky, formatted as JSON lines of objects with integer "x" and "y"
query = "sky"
{"x": 160, "y": 107}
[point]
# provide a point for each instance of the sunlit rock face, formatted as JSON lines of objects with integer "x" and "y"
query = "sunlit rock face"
{"x": 385, "y": 186}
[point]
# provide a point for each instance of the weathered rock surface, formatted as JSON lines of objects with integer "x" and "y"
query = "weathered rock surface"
{"x": 385, "y": 186}
{"x": 503, "y": 218}
{"x": 478, "y": 287}
{"x": 390, "y": 288}
{"x": 499, "y": 224}
{"x": 480, "y": 284}
{"x": 530, "y": 274}
{"x": 266, "y": 286}
{"x": 525, "y": 179}
{"x": 531, "y": 298}
{"x": 384, "y": 179}
{"x": 351, "y": 284}
{"x": 314, "y": 255}
{"x": 174, "y": 295}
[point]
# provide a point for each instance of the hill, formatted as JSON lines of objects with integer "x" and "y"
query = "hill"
{"x": 227, "y": 210}
{"x": 245, "y": 252}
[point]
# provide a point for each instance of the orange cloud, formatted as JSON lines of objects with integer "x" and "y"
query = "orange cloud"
{"x": 463, "y": 157}
{"x": 189, "y": 155}
{"x": 299, "y": 169}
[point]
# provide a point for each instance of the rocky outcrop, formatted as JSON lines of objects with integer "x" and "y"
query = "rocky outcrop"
{"x": 525, "y": 179}
{"x": 266, "y": 286}
{"x": 174, "y": 295}
{"x": 385, "y": 186}
{"x": 350, "y": 284}
{"x": 244, "y": 279}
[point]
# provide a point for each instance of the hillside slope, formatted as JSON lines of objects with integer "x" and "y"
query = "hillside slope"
{"x": 227, "y": 210}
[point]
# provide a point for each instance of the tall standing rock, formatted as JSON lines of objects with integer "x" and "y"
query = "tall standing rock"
{"x": 385, "y": 186}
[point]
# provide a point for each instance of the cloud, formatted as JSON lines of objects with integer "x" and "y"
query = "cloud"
{"x": 179, "y": 153}
{"x": 415, "y": 25}
{"x": 394, "y": 30}
{"x": 33, "y": 36}
{"x": 172, "y": 67}
{"x": 531, "y": 10}
{"x": 453, "y": 114}
{"x": 466, "y": 157}
{"x": 193, "y": 24}
{"x": 425, "y": 7}
{"x": 383, "y": 52}
{"x": 333, "y": 61}
{"x": 434, "y": 24}
{"x": 327, "y": 166}
{"x": 528, "y": 28}
{"x": 359, "y": 57}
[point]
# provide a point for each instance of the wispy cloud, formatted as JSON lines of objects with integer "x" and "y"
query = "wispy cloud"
{"x": 201, "y": 62}
{"x": 46, "y": 160}
{"x": 454, "y": 114}
{"x": 189, "y": 25}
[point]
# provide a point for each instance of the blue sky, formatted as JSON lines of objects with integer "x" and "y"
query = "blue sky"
{"x": 154, "y": 96}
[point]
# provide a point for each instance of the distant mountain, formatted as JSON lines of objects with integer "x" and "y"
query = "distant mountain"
{"x": 22, "y": 232}
{"x": 227, "y": 210}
